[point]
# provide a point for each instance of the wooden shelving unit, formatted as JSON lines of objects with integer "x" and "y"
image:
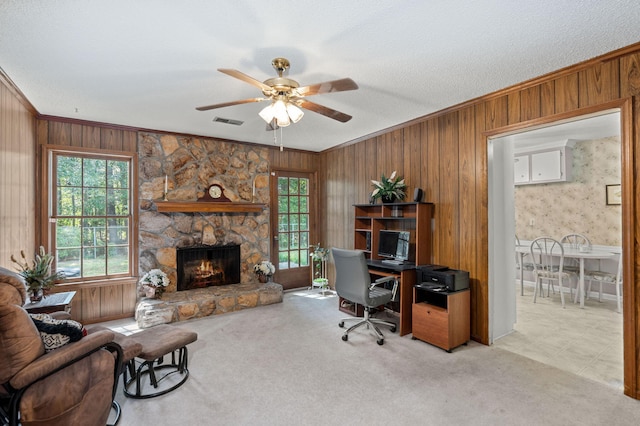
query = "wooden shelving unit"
{"x": 413, "y": 217}
{"x": 350, "y": 308}
{"x": 208, "y": 207}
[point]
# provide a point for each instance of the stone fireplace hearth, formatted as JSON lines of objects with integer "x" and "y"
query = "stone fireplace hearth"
{"x": 198, "y": 303}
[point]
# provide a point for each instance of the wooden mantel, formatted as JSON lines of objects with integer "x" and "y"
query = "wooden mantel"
{"x": 208, "y": 207}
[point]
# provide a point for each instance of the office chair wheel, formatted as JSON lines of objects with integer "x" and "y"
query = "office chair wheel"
{"x": 341, "y": 324}
{"x": 345, "y": 337}
{"x": 380, "y": 342}
{"x": 393, "y": 329}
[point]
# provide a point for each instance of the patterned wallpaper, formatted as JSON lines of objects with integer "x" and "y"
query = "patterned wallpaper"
{"x": 577, "y": 206}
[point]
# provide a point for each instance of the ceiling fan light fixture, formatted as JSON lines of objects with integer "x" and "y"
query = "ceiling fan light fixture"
{"x": 267, "y": 113}
{"x": 294, "y": 112}
{"x": 283, "y": 121}
{"x": 280, "y": 113}
{"x": 279, "y": 109}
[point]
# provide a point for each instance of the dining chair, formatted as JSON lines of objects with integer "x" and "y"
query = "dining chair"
{"x": 574, "y": 241}
{"x": 603, "y": 277}
{"x": 521, "y": 265}
{"x": 548, "y": 255}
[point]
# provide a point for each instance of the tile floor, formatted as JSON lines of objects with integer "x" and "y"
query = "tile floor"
{"x": 587, "y": 342}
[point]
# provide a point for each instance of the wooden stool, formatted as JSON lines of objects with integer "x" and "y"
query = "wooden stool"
{"x": 157, "y": 342}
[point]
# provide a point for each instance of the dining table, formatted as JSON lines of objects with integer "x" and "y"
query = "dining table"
{"x": 573, "y": 253}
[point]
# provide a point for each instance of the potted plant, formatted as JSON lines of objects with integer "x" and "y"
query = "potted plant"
{"x": 319, "y": 256}
{"x": 37, "y": 274}
{"x": 389, "y": 189}
{"x": 154, "y": 283}
{"x": 264, "y": 270}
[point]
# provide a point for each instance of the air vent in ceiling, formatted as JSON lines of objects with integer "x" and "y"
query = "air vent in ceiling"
{"x": 227, "y": 121}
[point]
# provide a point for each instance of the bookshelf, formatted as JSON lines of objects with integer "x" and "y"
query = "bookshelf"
{"x": 412, "y": 217}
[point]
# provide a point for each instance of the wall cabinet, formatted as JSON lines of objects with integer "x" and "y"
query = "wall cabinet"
{"x": 521, "y": 173}
{"x": 547, "y": 166}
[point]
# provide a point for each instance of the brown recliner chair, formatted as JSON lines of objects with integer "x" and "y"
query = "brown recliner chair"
{"x": 74, "y": 384}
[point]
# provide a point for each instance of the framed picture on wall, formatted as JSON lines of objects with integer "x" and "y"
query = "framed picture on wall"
{"x": 614, "y": 195}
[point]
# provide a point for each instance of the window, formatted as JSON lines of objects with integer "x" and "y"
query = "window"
{"x": 91, "y": 214}
{"x": 293, "y": 222}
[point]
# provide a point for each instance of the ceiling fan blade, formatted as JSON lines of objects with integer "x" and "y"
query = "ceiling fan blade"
{"x": 341, "y": 85}
{"x": 328, "y": 112}
{"x": 247, "y": 79}
{"x": 226, "y": 104}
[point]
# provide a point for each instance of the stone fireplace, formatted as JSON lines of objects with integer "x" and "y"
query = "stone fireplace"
{"x": 189, "y": 165}
{"x": 186, "y": 166}
{"x": 204, "y": 266}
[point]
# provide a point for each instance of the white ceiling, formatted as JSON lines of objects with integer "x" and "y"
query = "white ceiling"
{"x": 149, "y": 63}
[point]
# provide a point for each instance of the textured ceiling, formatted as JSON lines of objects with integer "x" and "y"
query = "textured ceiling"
{"x": 149, "y": 63}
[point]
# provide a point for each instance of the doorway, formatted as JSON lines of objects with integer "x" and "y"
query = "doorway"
{"x": 505, "y": 314}
{"x": 293, "y": 226}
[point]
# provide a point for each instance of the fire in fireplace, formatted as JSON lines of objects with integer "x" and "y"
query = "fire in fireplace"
{"x": 204, "y": 266}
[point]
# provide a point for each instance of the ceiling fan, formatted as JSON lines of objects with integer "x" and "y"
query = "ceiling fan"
{"x": 286, "y": 96}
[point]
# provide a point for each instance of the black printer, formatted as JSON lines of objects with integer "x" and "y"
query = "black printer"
{"x": 432, "y": 276}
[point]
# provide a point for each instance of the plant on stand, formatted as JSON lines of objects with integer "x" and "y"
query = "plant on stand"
{"x": 264, "y": 270}
{"x": 37, "y": 274}
{"x": 154, "y": 283}
{"x": 389, "y": 189}
{"x": 319, "y": 256}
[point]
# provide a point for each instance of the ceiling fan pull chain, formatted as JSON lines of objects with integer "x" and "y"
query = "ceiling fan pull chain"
{"x": 281, "y": 147}
{"x": 275, "y": 133}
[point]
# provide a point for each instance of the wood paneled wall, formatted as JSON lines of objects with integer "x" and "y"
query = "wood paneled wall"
{"x": 446, "y": 155}
{"x": 17, "y": 177}
{"x": 294, "y": 160}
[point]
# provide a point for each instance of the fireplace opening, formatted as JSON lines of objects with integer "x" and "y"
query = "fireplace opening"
{"x": 204, "y": 266}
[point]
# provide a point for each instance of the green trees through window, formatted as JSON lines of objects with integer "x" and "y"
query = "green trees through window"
{"x": 293, "y": 222}
{"x": 92, "y": 206}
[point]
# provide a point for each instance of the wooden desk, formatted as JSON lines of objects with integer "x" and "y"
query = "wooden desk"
{"x": 52, "y": 303}
{"x": 406, "y": 275}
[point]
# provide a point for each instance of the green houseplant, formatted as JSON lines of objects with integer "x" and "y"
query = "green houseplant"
{"x": 318, "y": 256}
{"x": 389, "y": 189}
{"x": 37, "y": 273}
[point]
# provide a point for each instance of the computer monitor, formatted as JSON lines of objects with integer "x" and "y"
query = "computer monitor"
{"x": 394, "y": 244}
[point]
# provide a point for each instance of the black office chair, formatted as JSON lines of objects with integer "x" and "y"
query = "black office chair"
{"x": 354, "y": 284}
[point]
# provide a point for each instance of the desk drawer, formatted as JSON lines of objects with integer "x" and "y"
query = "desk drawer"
{"x": 431, "y": 324}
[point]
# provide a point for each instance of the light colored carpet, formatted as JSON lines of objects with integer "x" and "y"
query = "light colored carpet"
{"x": 286, "y": 364}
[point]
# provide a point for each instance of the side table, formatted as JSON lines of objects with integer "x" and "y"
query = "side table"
{"x": 51, "y": 303}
